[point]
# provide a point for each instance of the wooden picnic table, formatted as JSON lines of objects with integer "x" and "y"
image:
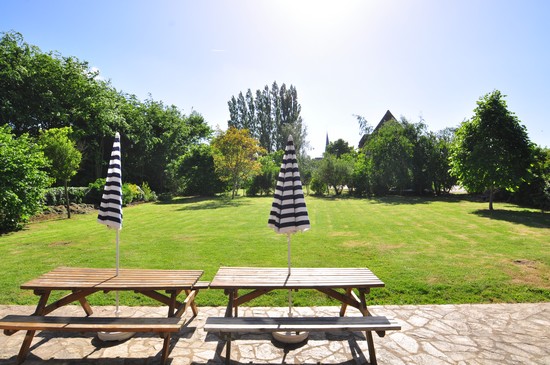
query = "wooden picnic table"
{"x": 164, "y": 286}
{"x": 349, "y": 286}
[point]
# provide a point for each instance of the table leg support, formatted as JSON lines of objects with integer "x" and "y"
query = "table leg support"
{"x": 372, "y": 353}
{"x": 25, "y": 347}
{"x": 228, "y": 349}
{"x": 165, "y": 348}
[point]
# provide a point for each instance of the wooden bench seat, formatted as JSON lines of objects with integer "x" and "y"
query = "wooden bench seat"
{"x": 163, "y": 326}
{"x": 228, "y": 325}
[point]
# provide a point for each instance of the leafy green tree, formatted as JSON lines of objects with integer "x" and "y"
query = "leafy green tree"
{"x": 492, "y": 150}
{"x": 264, "y": 182}
{"x": 236, "y": 156}
{"x": 23, "y": 179}
{"x": 63, "y": 156}
{"x": 338, "y": 148}
{"x": 535, "y": 192}
{"x": 194, "y": 173}
{"x": 270, "y": 117}
{"x": 335, "y": 172}
{"x": 389, "y": 152}
{"x": 439, "y": 165}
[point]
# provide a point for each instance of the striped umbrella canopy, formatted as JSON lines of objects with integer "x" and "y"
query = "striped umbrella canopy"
{"x": 288, "y": 210}
{"x": 110, "y": 209}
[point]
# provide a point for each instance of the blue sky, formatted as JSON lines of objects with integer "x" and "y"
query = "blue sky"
{"x": 428, "y": 59}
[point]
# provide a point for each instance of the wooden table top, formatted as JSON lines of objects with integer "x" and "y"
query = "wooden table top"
{"x": 73, "y": 278}
{"x": 299, "y": 278}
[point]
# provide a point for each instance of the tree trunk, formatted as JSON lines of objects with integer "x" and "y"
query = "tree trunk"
{"x": 67, "y": 200}
{"x": 491, "y": 193}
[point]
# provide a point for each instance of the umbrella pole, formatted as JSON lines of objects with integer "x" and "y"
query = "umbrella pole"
{"x": 289, "y": 291}
{"x": 117, "y": 265}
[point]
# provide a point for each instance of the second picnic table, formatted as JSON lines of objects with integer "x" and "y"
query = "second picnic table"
{"x": 347, "y": 285}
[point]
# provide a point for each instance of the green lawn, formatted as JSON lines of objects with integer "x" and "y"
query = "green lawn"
{"x": 426, "y": 250}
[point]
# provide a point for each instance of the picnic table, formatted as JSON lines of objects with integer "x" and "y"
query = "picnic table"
{"x": 349, "y": 286}
{"x": 164, "y": 286}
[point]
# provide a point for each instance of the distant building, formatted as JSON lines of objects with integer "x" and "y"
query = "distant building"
{"x": 386, "y": 118}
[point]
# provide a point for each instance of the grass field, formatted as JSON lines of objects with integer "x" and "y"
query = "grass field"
{"x": 426, "y": 250}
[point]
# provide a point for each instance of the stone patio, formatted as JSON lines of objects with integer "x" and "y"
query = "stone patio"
{"x": 431, "y": 334}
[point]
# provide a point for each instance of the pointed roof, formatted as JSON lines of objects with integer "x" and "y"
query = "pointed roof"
{"x": 386, "y": 118}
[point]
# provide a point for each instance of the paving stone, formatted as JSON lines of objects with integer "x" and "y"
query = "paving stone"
{"x": 468, "y": 334}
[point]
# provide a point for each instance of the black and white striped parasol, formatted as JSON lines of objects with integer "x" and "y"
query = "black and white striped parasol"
{"x": 288, "y": 210}
{"x": 110, "y": 209}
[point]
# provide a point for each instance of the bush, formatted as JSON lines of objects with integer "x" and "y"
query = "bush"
{"x": 23, "y": 180}
{"x": 165, "y": 197}
{"x": 131, "y": 193}
{"x": 56, "y": 196}
{"x": 148, "y": 194}
{"x": 94, "y": 192}
{"x": 318, "y": 186}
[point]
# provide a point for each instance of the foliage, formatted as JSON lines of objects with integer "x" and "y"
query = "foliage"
{"x": 536, "y": 191}
{"x": 131, "y": 193}
{"x": 235, "y": 156}
{"x": 63, "y": 156}
{"x": 361, "y": 176}
{"x": 265, "y": 181}
{"x": 389, "y": 152}
{"x": 148, "y": 194}
{"x": 492, "y": 150}
{"x": 439, "y": 166}
{"x": 335, "y": 172}
{"x": 95, "y": 191}
{"x": 23, "y": 180}
{"x": 39, "y": 91}
{"x": 270, "y": 117}
{"x": 194, "y": 173}
{"x": 56, "y": 195}
{"x": 339, "y": 148}
{"x": 319, "y": 186}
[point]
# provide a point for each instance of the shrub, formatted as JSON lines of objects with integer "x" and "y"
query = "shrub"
{"x": 148, "y": 194}
{"x": 56, "y": 195}
{"x": 165, "y": 197}
{"x": 318, "y": 186}
{"x": 94, "y": 192}
{"x": 22, "y": 179}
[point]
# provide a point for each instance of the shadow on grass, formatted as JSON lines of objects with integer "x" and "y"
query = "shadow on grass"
{"x": 205, "y": 202}
{"x": 405, "y": 199}
{"x": 525, "y": 217}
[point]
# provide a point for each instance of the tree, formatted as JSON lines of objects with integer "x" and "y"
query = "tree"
{"x": 335, "y": 172}
{"x": 270, "y": 117}
{"x": 439, "y": 166}
{"x": 236, "y": 156}
{"x": 63, "y": 156}
{"x": 492, "y": 150}
{"x": 23, "y": 179}
{"x": 338, "y": 148}
{"x": 194, "y": 174}
{"x": 264, "y": 182}
{"x": 389, "y": 153}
